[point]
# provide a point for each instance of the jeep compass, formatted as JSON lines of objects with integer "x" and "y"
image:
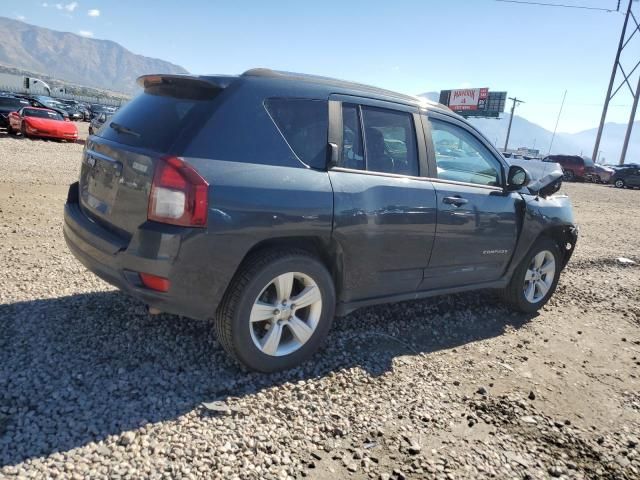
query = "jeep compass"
{"x": 271, "y": 202}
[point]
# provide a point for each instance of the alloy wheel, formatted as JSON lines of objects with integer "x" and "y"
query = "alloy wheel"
{"x": 538, "y": 278}
{"x": 285, "y": 314}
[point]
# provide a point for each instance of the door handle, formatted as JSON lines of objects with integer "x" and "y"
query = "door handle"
{"x": 457, "y": 201}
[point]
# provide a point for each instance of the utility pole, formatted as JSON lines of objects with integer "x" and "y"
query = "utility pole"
{"x": 557, "y": 122}
{"x": 624, "y": 41}
{"x": 513, "y": 108}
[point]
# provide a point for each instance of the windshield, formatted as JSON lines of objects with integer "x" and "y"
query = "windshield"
{"x": 49, "y": 114}
{"x": 588, "y": 162}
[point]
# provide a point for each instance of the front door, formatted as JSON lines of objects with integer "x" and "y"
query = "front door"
{"x": 477, "y": 220}
{"x": 384, "y": 212}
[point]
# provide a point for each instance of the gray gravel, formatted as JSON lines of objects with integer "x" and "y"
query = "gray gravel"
{"x": 455, "y": 387}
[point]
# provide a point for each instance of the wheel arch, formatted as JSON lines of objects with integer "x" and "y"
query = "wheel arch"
{"x": 565, "y": 236}
{"x": 329, "y": 254}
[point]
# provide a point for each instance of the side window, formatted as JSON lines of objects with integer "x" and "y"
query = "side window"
{"x": 303, "y": 123}
{"x": 390, "y": 141}
{"x": 352, "y": 150}
{"x": 461, "y": 157}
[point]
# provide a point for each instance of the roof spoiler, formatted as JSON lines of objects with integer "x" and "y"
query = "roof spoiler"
{"x": 208, "y": 82}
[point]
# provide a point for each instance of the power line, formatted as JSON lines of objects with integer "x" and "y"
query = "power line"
{"x": 561, "y": 5}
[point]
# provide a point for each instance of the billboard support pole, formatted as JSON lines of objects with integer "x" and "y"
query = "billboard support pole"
{"x": 616, "y": 63}
{"x": 627, "y": 136}
{"x": 513, "y": 108}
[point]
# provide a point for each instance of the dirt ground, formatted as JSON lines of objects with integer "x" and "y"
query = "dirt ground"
{"x": 454, "y": 387}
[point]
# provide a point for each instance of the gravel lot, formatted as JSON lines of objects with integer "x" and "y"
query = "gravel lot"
{"x": 454, "y": 387}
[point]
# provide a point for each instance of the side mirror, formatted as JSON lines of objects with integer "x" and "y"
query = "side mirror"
{"x": 517, "y": 178}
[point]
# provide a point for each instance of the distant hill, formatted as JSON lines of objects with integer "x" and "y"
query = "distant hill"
{"x": 67, "y": 56}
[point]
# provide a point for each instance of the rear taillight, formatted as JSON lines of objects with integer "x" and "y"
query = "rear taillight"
{"x": 178, "y": 194}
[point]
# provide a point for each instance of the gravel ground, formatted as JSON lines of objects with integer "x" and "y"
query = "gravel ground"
{"x": 454, "y": 387}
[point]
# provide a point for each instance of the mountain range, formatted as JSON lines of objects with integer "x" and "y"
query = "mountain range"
{"x": 527, "y": 134}
{"x": 67, "y": 56}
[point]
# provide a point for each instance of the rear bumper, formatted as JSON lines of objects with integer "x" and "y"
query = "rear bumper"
{"x": 153, "y": 249}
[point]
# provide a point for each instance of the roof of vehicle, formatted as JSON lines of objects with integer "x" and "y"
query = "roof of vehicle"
{"x": 326, "y": 83}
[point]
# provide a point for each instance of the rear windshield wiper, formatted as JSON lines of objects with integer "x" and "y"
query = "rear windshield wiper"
{"x": 121, "y": 129}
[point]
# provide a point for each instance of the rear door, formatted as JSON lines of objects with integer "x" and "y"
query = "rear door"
{"x": 119, "y": 161}
{"x": 384, "y": 212}
{"x": 477, "y": 222}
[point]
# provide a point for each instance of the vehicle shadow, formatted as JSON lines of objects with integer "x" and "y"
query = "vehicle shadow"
{"x": 80, "y": 368}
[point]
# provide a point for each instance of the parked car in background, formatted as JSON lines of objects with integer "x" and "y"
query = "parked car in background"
{"x": 602, "y": 173}
{"x": 42, "y": 123}
{"x": 627, "y": 175}
{"x": 574, "y": 167}
{"x": 10, "y": 104}
{"x": 241, "y": 198}
{"x": 98, "y": 121}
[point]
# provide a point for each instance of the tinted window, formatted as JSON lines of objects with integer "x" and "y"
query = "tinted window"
{"x": 13, "y": 103}
{"x": 461, "y": 157}
{"x": 303, "y": 123}
{"x": 50, "y": 114}
{"x": 588, "y": 162}
{"x": 352, "y": 150}
{"x": 390, "y": 141}
{"x": 158, "y": 117}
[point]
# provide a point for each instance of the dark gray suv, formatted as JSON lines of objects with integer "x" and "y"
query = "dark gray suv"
{"x": 273, "y": 201}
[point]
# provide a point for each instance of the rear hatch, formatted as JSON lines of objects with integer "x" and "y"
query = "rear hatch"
{"x": 119, "y": 161}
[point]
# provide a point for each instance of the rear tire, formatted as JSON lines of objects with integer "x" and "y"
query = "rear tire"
{"x": 536, "y": 278}
{"x": 10, "y": 131}
{"x": 569, "y": 176}
{"x": 258, "y": 323}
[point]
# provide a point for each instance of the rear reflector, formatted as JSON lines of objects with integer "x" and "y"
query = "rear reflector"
{"x": 154, "y": 282}
{"x": 178, "y": 194}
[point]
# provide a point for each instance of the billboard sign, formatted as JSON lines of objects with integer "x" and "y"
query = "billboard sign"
{"x": 468, "y": 99}
{"x": 475, "y": 102}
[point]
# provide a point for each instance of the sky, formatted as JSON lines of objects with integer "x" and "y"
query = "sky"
{"x": 412, "y": 46}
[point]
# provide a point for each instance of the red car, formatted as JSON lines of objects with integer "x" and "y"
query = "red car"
{"x": 41, "y": 122}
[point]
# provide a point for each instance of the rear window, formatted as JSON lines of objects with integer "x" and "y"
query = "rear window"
{"x": 13, "y": 102}
{"x": 161, "y": 115}
{"x": 303, "y": 124}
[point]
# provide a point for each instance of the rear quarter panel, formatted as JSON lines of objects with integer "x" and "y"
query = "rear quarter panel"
{"x": 248, "y": 204}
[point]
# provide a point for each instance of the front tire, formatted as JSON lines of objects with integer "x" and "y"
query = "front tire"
{"x": 277, "y": 311}
{"x": 23, "y": 132}
{"x": 569, "y": 176}
{"x": 619, "y": 183}
{"x": 536, "y": 278}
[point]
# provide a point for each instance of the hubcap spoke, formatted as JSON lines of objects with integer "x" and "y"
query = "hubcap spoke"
{"x": 261, "y": 311}
{"x": 539, "y": 258}
{"x": 300, "y": 330}
{"x": 284, "y": 285}
{"x": 542, "y": 288}
{"x": 549, "y": 267}
{"x": 308, "y": 296}
{"x": 271, "y": 340}
{"x": 530, "y": 275}
{"x": 530, "y": 291}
